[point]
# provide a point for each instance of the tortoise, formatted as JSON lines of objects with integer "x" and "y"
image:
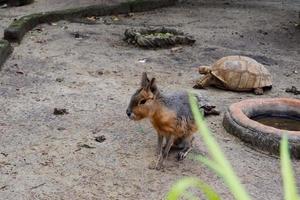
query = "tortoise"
{"x": 237, "y": 73}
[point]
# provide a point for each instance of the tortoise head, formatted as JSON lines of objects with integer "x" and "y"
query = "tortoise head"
{"x": 204, "y": 70}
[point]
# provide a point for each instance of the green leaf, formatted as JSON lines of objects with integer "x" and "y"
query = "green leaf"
{"x": 289, "y": 184}
{"x": 179, "y": 189}
{"x": 217, "y": 155}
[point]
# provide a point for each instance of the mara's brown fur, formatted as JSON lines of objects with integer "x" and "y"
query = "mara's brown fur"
{"x": 166, "y": 123}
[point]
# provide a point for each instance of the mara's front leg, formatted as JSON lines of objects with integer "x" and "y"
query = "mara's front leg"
{"x": 169, "y": 143}
{"x": 159, "y": 151}
{"x": 159, "y": 148}
{"x": 165, "y": 152}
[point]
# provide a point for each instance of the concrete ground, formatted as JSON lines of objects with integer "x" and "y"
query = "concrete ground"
{"x": 47, "y": 156}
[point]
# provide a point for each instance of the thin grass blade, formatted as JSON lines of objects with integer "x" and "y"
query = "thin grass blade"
{"x": 217, "y": 155}
{"x": 180, "y": 187}
{"x": 289, "y": 183}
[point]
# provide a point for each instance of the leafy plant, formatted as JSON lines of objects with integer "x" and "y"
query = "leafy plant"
{"x": 221, "y": 166}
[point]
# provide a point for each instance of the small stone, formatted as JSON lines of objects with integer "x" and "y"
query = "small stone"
{"x": 3, "y": 187}
{"x": 19, "y": 72}
{"x": 262, "y": 32}
{"x": 39, "y": 29}
{"x": 92, "y": 18}
{"x": 59, "y": 79}
{"x": 4, "y": 154}
{"x": 100, "y": 138}
{"x": 293, "y": 90}
{"x": 130, "y": 14}
{"x": 60, "y": 111}
{"x": 115, "y": 18}
{"x": 86, "y": 146}
{"x": 142, "y": 60}
{"x": 100, "y": 73}
{"x": 76, "y": 35}
{"x": 176, "y": 49}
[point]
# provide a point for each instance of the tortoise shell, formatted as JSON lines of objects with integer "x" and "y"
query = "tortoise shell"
{"x": 241, "y": 73}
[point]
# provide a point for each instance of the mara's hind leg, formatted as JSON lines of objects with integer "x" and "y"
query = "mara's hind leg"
{"x": 203, "y": 82}
{"x": 258, "y": 91}
{"x": 187, "y": 143}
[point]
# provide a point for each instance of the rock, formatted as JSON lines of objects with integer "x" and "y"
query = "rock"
{"x": 61, "y": 128}
{"x": 100, "y": 138}
{"x": 86, "y": 146}
{"x": 60, "y": 111}
{"x": 176, "y": 49}
{"x": 59, "y": 80}
{"x": 293, "y": 90}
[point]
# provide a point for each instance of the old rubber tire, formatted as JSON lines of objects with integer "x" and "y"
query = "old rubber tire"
{"x": 237, "y": 122}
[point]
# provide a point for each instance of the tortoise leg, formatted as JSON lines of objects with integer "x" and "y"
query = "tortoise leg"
{"x": 203, "y": 82}
{"x": 258, "y": 91}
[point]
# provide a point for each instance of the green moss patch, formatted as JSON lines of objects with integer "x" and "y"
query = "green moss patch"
{"x": 5, "y": 50}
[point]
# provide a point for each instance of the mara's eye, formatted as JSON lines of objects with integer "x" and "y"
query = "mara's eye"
{"x": 143, "y": 101}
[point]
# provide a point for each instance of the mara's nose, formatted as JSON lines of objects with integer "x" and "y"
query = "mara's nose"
{"x": 128, "y": 113}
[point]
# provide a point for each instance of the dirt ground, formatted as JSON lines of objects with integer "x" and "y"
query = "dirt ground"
{"x": 47, "y": 156}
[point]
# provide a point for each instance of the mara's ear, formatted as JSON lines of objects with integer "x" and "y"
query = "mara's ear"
{"x": 152, "y": 86}
{"x": 145, "y": 80}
